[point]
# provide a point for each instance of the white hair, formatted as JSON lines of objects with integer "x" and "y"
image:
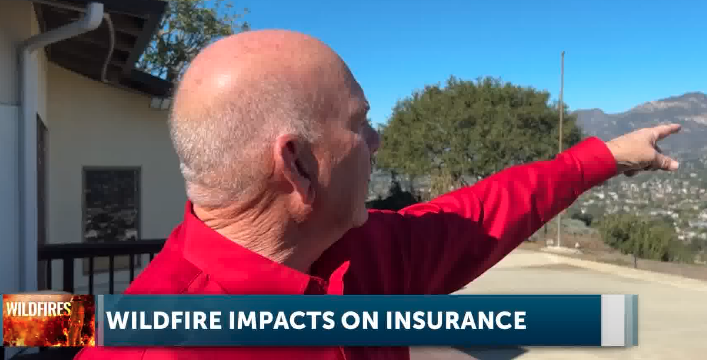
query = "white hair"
{"x": 221, "y": 151}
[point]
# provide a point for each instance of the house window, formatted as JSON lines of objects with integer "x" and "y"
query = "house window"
{"x": 111, "y": 210}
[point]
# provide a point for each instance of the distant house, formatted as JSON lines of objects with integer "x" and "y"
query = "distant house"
{"x": 84, "y": 146}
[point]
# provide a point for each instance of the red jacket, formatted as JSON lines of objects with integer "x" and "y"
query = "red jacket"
{"x": 431, "y": 248}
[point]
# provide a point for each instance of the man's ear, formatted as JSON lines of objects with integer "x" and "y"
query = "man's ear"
{"x": 294, "y": 163}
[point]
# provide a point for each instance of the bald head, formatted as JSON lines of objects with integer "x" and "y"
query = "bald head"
{"x": 244, "y": 91}
{"x": 250, "y": 61}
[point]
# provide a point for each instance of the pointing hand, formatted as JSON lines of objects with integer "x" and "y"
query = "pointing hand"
{"x": 638, "y": 150}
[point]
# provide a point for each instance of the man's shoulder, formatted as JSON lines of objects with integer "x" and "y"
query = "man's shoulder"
{"x": 379, "y": 230}
{"x": 111, "y": 353}
{"x": 168, "y": 273}
{"x": 380, "y": 223}
{"x": 242, "y": 353}
{"x": 374, "y": 253}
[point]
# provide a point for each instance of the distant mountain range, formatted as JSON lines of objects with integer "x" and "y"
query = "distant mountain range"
{"x": 680, "y": 196}
{"x": 689, "y": 110}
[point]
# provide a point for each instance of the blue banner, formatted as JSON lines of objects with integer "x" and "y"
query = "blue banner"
{"x": 352, "y": 320}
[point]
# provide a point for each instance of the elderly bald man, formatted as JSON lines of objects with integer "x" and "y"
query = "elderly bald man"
{"x": 271, "y": 131}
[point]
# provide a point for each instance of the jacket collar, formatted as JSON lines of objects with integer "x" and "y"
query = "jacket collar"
{"x": 241, "y": 271}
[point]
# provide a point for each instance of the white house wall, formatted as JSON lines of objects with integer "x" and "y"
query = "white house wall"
{"x": 9, "y": 200}
{"x": 17, "y": 23}
{"x": 94, "y": 124}
{"x": 14, "y": 27}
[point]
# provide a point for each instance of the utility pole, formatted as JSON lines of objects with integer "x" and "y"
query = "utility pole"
{"x": 562, "y": 111}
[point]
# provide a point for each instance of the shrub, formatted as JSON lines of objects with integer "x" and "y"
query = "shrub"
{"x": 643, "y": 237}
{"x": 397, "y": 200}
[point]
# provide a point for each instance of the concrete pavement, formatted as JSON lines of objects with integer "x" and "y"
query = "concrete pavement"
{"x": 672, "y": 314}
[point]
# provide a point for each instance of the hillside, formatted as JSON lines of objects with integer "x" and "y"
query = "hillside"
{"x": 680, "y": 196}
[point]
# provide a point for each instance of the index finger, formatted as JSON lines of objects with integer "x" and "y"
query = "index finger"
{"x": 662, "y": 131}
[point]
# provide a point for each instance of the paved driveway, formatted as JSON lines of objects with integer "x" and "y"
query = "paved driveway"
{"x": 672, "y": 312}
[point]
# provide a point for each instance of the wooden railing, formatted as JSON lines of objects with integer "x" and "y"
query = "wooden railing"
{"x": 69, "y": 253}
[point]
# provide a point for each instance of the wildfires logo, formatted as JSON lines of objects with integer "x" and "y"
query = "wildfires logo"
{"x": 48, "y": 320}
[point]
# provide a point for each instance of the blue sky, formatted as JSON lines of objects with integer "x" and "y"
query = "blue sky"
{"x": 618, "y": 53}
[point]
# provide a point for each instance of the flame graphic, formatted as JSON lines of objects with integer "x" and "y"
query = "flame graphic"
{"x": 49, "y": 331}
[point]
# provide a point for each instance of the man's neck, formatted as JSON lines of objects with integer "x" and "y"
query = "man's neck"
{"x": 267, "y": 234}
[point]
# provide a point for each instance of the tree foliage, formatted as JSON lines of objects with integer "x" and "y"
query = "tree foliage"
{"x": 642, "y": 236}
{"x": 471, "y": 129}
{"x": 186, "y": 28}
{"x": 584, "y": 217}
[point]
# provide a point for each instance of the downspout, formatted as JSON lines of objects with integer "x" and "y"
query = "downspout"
{"x": 28, "y": 140}
{"x": 111, "y": 32}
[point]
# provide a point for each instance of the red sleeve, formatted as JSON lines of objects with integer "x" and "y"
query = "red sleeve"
{"x": 111, "y": 353}
{"x": 450, "y": 241}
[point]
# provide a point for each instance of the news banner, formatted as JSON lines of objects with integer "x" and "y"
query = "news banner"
{"x": 352, "y": 320}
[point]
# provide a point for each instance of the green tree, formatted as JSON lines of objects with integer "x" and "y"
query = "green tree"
{"x": 186, "y": 28}
{"x": 643, "y": 237}
{"x": 471, "y": 129}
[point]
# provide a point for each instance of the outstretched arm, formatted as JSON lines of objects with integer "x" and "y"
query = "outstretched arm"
{"x": 455, "y": 238}
{"x": 440, "y": 246}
